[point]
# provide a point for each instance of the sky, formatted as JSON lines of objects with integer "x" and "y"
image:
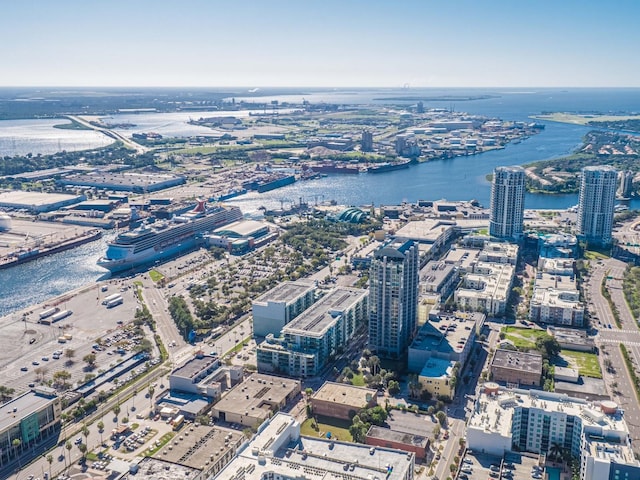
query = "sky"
{"x": 325, "y": 43}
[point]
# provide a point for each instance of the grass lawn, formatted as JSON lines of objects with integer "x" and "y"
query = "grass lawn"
{"x": 593, "y": 255}
{"x": 339, "y": 428}
{"x": 358, "y": 380}
{"x": 523, "y": 337}
{"x": 586, "y": 363}
{"x": 155, "y": 275}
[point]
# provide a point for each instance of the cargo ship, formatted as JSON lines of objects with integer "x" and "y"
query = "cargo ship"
{"x": 272, "y": 184}
{"x": 335, "y": 168}
{"x": 230, "y": 194}
{"x": 389, "y": 167}
{"x": 165, "y": 239}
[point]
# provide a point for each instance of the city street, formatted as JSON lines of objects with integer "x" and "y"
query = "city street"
{"x": 610, "y": 337}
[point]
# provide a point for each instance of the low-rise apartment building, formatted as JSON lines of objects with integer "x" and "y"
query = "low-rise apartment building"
{"x": 534, "y": 421}
{"x": 487, "y": 289}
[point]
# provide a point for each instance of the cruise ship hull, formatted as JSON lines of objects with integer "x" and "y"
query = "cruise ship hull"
{"x": 148, "y": 244}
{"x": 147, "y": 257}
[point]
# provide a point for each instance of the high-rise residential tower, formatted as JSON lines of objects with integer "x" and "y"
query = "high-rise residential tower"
{"x": 597, "y": 204}
{"x": 393, "y": 297}
{"x": 507, "y": 203}
{"x": 366, "y": 144}
{"x": 626, "y": 184}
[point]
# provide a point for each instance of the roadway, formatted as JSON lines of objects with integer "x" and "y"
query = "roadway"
{"x": 609, "y": 338}
{"x": 128, "y": 403}
{"x": 109, "y": 133}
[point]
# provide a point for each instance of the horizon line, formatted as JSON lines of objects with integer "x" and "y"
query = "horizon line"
{"x": 409, "y": 87}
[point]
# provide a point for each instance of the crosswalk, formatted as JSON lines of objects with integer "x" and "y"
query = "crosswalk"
{"x": 629, "y": 332}
{"x": 617, "y": 342}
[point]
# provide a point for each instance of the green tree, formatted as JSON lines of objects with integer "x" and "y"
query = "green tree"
{"x": 116, "y": 411}
{"x": 6, "y": 393}
{"x": 85, "y": 432}
{"x": 100, "y": 426}
{"x": 68, "y": 446}
{"x": 90, "y": 360}
{"x": 442, "y": 418}
{"x": 83, "y": 450}
{"x": 393, "y": 387}
{"x": 69, "y": 353}
{"x": 358, "y": 429}
{"x": 548, "y": 346}
{"x": 49, "y": 461}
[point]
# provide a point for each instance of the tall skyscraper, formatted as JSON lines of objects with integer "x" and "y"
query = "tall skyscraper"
{"x": 507, "y": 203}
{"x": 626, "y": 184}
{"x": 597, "y": 204}
{"x": 393, "y": 297}
{"x": 366, "y": 145}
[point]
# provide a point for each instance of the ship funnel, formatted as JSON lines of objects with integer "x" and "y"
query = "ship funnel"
{"x": 199, "y": 208}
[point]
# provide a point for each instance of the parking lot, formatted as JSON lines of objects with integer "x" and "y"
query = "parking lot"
{"x": 31, "y": 352}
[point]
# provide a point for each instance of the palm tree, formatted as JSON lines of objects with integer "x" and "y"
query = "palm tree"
{"x": 116, "y": 411}
{"x": 100, "y": 426}
{"x": 414, "y": 385}
{"x": 50, "y": 461}
{"x": 555, "y": 451}
{"x": 68, "y": 446}
{"x": 151, "y": 390}
{"x": 85, "y": 432}
{"x": 83, "y": 450}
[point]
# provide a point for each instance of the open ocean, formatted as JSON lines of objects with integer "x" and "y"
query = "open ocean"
{"x": 461, "y": 178}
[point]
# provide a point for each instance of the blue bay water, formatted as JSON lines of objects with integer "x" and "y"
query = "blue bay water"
{"x": 461, "y": 178}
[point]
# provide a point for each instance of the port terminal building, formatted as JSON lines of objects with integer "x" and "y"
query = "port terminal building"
{"x": 136, "y": 182}
{"x": 37, "y": 202}
{"x": 242, "y": 236}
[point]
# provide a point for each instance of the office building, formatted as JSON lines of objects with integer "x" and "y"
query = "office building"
{"x": 518, "y": 368}
{"x": 320, "y": 332}
{"x": 197, "y": 454}
{"x": 256, "y": 399}
{"x": 507, "y": 203}
{"x": 596, "y": 204}
{"x": 26, "y": 423}
{"x": 341, "y": 401}
{"x": 393, "y": 297}
{"x": 408, "y": 442}
{"x": 448, "y": 336}
{"x": 436, "y": 377}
